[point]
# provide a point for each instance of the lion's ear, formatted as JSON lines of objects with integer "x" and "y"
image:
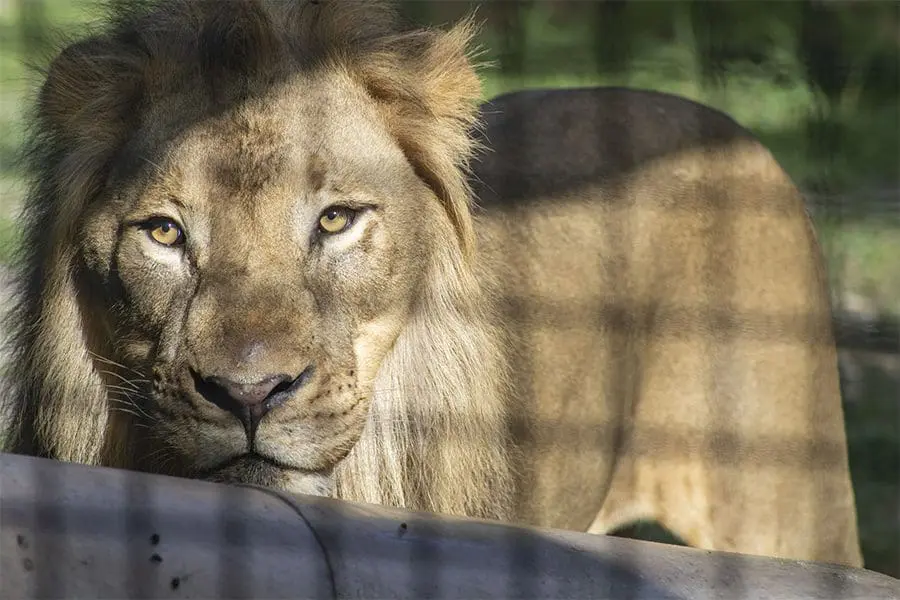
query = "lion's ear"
{"x": 90, "y": 92}
{"x": 431, "y": 99}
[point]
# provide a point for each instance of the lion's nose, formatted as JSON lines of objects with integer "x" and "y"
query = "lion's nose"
{"x": 250, "y": 402}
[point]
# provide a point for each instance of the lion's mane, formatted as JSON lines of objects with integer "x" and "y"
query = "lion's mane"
{"x": 436, "y": 438}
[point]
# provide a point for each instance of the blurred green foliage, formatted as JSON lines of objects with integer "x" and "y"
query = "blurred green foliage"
{"x": 817, "y": 81}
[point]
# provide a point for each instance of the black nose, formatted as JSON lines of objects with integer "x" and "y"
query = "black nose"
{"x": 249, "y": 402}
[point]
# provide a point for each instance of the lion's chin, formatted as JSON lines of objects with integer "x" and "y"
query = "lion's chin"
{"x": 256, "y": 470}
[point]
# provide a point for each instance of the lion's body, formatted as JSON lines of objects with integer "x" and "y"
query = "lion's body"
{"x": 670, "y": 314}
{"x": 633, "y": 325}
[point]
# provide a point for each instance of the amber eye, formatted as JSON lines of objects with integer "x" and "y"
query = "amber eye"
{"x": 165, "y": 232}
{"x": 336, "y": 219}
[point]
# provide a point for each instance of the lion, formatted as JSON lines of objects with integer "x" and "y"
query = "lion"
{"x": 280, "y": 244}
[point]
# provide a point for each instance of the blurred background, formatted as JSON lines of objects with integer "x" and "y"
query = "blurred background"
{"x": 818, "y": 81}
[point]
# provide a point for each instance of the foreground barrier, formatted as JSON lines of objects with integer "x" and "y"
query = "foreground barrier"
{"x": 70, "y": 531}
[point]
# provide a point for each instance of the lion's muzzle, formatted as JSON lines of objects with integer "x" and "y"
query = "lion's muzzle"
{"x": 250, "y": 401}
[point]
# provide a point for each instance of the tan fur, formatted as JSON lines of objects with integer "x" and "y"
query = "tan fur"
{"x": 708, "y": 344}
{"x": 463, "y": 364}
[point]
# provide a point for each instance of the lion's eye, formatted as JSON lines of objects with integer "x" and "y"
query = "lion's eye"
{"x": 336, "y": 219}
{"x": 165, "y": 232}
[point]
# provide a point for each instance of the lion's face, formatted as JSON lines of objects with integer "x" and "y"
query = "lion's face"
{"x": 256, "y": 266}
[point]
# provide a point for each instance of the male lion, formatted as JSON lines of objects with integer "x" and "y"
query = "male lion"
{"x": 251, "y": 257}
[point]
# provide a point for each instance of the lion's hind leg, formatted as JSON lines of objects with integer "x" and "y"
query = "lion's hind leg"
{"x": 739, "y": 446}
{"x": 736, "y": 435}
{"x": 765, "y": 503}
{"x": 643, "y": 491}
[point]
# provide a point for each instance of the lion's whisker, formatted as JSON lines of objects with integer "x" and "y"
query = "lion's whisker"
{"x": 128, "y": 401}
{"x": 113, "y": 363}
{"x": 128, "y": 381}
{"x": 125, "y": 411}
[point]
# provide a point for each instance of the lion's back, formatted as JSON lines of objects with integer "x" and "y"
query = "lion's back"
{"x": 544, "y": 142}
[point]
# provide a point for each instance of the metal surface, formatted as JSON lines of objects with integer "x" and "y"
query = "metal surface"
{"x": 70, "y": 531}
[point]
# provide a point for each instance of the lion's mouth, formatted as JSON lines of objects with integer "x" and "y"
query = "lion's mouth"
{"x": 253, "y": 468}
